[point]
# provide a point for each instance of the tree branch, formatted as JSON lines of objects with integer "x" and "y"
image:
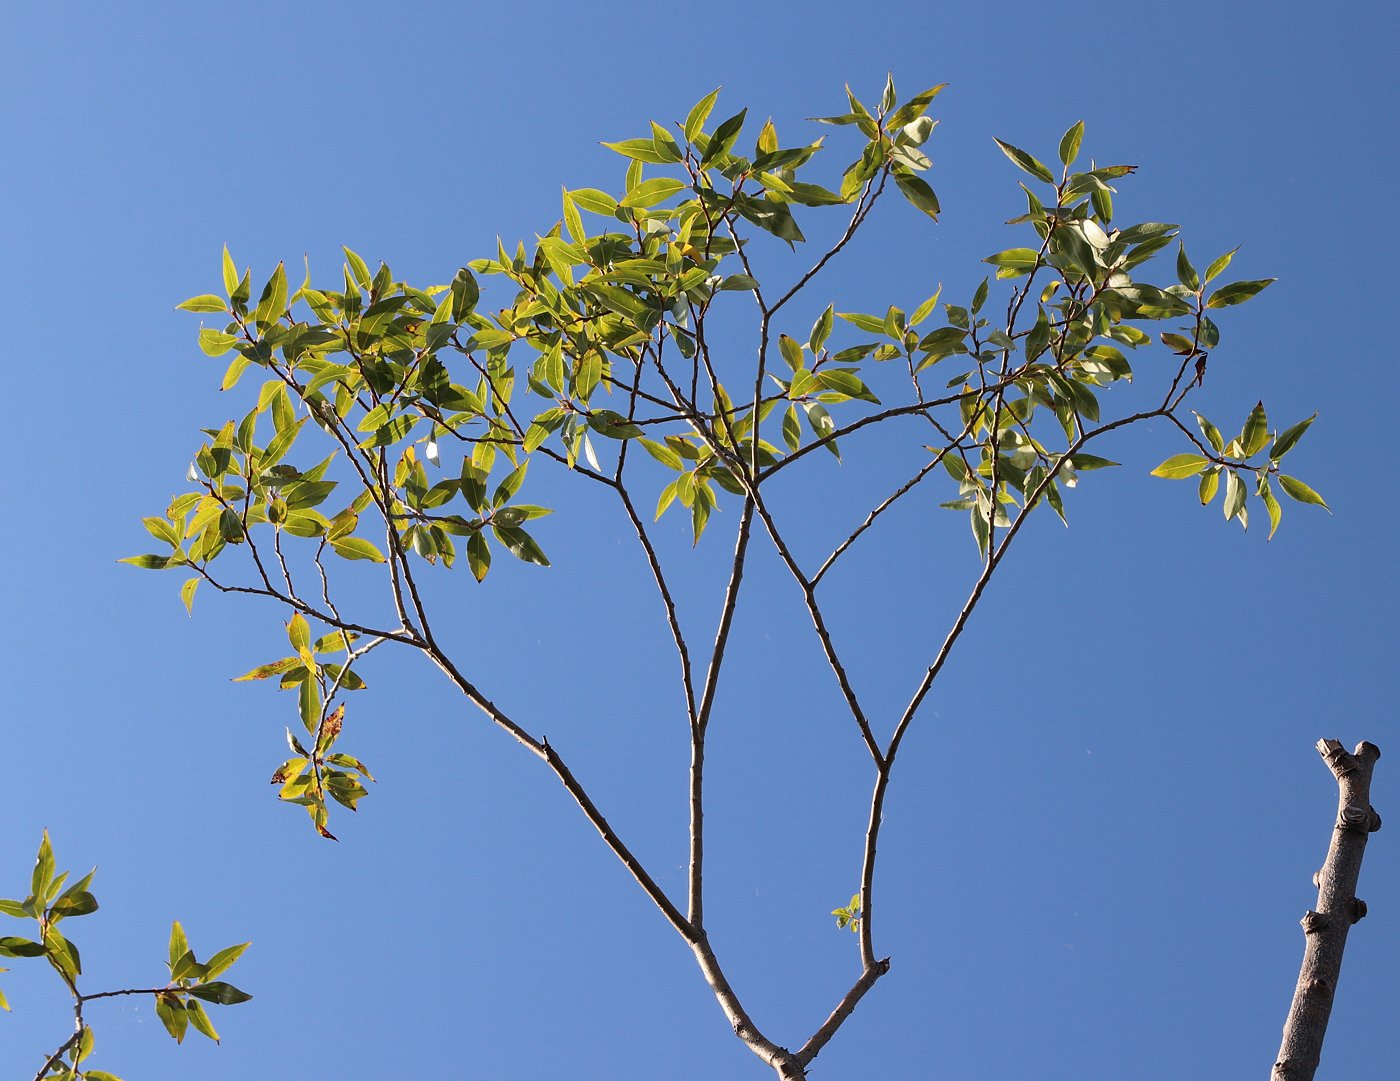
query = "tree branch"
{"x": 1325, "y": 930}
{"x": 696, "y": 876}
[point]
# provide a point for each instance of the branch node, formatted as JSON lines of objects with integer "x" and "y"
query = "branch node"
{"x": 1313, "y": 922}
{"x": 1354, "y": 816}
{"x": 1358, "y": 910}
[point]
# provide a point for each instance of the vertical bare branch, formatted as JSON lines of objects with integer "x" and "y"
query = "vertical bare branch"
{"x": 696, "y": 874}
{"x": 1325, "y": 930}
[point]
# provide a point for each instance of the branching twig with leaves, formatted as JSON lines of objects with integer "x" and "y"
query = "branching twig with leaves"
{"x": 178, "y": 1004}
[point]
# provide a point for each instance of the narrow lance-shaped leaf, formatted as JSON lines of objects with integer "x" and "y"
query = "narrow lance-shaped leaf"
{"x": 1296, "y": 489}
{"x": 1026, "y": 162}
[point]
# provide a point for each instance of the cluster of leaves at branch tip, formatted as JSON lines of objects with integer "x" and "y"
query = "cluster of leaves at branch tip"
{"x": 311, "y": 775}
{"x": 1233, "y": 461}
{"x": 848, "y": 916}
{"x": 422, "y": 394}
{"x": 178, "y": 1004}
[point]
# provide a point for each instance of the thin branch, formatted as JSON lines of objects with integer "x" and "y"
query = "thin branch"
{"x": 885, "y": 505}
{"x": 696, "y": 872}
{"x": 672, "y": 620}
{"x": 57, "y": 1056}
{"x": 808, "y": 1051}
{"x": 861, "y": 212}
{"x": 994, "y": 558}
{"x": 541, "y": 749}
{"x": 809, "y": 596}
{"x": 400, "y": 635}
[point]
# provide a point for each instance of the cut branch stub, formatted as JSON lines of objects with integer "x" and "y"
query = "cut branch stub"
{"x": 1338, "y": 907}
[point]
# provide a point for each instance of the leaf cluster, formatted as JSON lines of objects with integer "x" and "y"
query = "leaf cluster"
{"x": 51, "y": 900}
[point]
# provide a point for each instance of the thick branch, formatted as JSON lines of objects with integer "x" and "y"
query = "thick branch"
{"x": 779, "y": 1058}
{"x": 1325, "y": 930}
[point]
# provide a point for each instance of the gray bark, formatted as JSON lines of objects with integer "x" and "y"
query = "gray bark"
{"x": 1325, "y": 930}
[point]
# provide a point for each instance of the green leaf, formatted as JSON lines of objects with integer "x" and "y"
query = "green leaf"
{"x": 357, "y": 548}
{"x": 478, "y": 556}
{"x": 772, "y": 217}
{"x": 651, "y": 192}
{"x": 641, "y": 150}
{"x": 224, "y": 994}
{"x": 43, "y": 870}
{"x": 520, "y": 544}
{"x": 221, "y": 961}
{"x": 595, "y": 201}
{"x": 205, "y": 302}
{"x": 791, "y": 352}
{"x": 722, "y": 141}
{"x": 1185, "y": 272}
{"x": 1237, "y": 292}
{"x": 1211, "y": 432}
{"x": 230, "y": 273}
{"x": 821, "y": 330}
{"x": 179, "y": 944}
{"x": 1220, "y": 264}
{"x": 792, "y": 432}
{"x": 663, "y": 454}
{"x": 10, "y": 946}
{"x": 1181, "y": 466}
{"x": 216, "y": 343}
{"x": 1235, "y": 496}
{"x": 1271, "y": 504}
{"x": 266, "y": 671}
{"x": 1022, "y": 259}
{"x": 147, "y": 562}
{"x": 1083, "y": 463}
{"x": 199, "y": 1019}
{"x": 171, "y": 1012}
{"x": 273, "y": 302}
{"x": 1210, "y": 484}
{"x": 358, "y": 268}
{"x": 1256, "y": 431}
{"x": 695, "y": 121}
{"x": 298, "y": 633}
{"x": 1026, "y": 161}
{"x": 1296, "y": 489}
{"x": 1069, "y": 145}
{"x": 75, "y": 903}
{"x": 918, "y": 192}
{"x": 1289, "y": 439}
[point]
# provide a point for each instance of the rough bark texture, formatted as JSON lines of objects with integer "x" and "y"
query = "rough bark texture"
{"x": 1325, "y": 930}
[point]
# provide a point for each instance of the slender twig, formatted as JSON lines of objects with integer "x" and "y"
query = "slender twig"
{"x": 809, "y": 596}
{"x": 994, "y": 558}
{"x": 862, "y": 211}
{"x": 696, "y": 871}
{"x": 885, "y": 504}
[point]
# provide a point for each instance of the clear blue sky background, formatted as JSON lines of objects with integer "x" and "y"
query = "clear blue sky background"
{"x": 1102, "y": 831}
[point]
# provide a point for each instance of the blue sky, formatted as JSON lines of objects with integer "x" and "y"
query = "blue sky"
{"x": 1101, "y": 833}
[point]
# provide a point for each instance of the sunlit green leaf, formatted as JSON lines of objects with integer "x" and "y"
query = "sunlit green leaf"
{"x": 1181, "y": 466}
{"x": 1296, "y": 489}
{"x": 1026, "y": 161}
